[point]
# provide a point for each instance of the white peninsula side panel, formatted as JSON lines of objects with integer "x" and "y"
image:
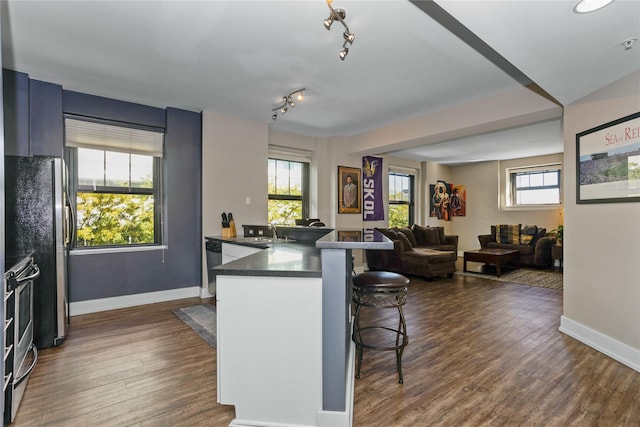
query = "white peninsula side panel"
{"x": 270, "y": 349}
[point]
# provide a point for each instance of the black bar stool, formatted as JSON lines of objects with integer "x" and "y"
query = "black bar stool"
{"x": 380, "y": 289}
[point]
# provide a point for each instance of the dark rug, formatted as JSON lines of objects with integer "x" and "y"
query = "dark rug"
{"x": 530, "y": 277}
{"x": 202, "y": 319}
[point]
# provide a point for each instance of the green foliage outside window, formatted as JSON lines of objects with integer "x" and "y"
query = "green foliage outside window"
{"x": 398, "y": 215}
{"x": 284, "y": 212}
{"x": 399, "y": 199}
{"x": 285, "y": 182}
{"x": 114, "y": 219}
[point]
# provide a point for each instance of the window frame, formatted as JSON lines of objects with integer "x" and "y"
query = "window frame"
{"x": 71, "y": 158}
{"x": 411, "y": 203}
{"x": 511, "y": 196}
{"x": 304, "y": 197}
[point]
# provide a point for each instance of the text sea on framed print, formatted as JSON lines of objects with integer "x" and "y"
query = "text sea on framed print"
{"x": 349, "y": 190}
{"x": 608, "y": 162}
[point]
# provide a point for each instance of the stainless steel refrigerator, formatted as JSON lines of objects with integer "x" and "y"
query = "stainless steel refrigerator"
{"x": 38, "y": 218}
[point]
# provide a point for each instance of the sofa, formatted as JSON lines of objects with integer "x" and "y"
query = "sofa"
{"x": 533, "y": 243}
{"x": 418, "y": 251}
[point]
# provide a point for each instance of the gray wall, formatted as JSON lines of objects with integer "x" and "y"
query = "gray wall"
{"x": 103, "y": 275}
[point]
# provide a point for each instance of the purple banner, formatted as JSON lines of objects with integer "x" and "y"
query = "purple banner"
{"x": 372, "y": 198}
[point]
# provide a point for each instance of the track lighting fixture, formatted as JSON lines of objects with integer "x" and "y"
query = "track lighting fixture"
{"x": 287, "y": 101}
{"x": 339, "y": 15}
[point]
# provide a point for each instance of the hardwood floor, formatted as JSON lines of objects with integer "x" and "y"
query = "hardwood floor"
{"x": 480, "y": 352}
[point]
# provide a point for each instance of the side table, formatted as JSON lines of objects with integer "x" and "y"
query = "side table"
{"x": 556, "y": 254}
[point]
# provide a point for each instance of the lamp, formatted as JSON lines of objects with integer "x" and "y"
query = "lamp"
{"x": 287, "y": 101}
{"x": 339, "y": 15}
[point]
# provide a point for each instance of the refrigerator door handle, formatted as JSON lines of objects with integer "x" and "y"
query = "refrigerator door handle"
{"x": 70, "y": 232}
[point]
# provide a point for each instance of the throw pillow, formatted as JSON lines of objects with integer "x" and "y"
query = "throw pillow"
{"x": 407, "y": 232}
{"x": 388, "y": 233}
{"x": 493, "y": 233}
{"x": 426, "y": 236}
{"x": 405, "y": 241}
{"x": 441, "y": 237}
{"x": 539, "y": 235}
{"x": 527, "y": 234}
{"x": 509, "y": 234}
{"x": 419, "y": 233}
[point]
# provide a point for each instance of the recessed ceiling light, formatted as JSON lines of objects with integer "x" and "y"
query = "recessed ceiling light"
{"x": 586, "y": 6}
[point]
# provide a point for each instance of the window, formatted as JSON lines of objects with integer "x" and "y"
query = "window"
{"x": 534, "y": 186}
{"x": 116, "y": 183}
{"x": 288, "y": 191}
{"x": 401, "y": 205}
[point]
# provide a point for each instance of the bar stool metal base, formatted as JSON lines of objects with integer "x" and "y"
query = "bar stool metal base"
{"x": 380, "y": 289}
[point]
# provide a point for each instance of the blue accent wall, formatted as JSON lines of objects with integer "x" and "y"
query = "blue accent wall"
{"x": 104, "y": 275}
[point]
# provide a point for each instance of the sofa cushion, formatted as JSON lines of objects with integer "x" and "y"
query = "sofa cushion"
{"x": 438, "y": 247}
{"x": 441, "y": 237}
{"x": 509, "y": 234}
{"x": 523, "y": 249}
{"x": 426, "y": 236}
{"x": 433, "y": 256}
{"x": 405, "y": 241}
{"x": 388, "y": 233}
{"x": 527, "y": 234}
{"x": 407, "y": 232}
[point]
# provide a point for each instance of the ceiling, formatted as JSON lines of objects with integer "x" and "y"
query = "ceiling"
{"x": 239, "y": 58}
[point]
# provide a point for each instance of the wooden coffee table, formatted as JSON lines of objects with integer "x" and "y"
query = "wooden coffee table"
{"x": 498, "y": 257}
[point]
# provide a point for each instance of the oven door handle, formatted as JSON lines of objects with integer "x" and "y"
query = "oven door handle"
{"x": 35, "y": 272}
{"x": 17, "y": 381}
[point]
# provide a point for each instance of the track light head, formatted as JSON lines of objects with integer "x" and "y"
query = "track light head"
{"x": 337, "y": 14}
{"x": 350, "y": 37}
{"x": 343, "y": 53}
{"x": 274, "y": 116}
{"x": 290, "y": 102}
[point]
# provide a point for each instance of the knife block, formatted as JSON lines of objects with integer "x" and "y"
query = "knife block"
{"x": 232, "y": 228}
{"x": 226, "y": 232}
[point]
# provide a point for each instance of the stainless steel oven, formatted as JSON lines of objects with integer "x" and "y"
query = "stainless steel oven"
{"x": 20, "y": 355}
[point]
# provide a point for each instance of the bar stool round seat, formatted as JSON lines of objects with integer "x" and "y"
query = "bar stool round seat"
{"x": 380, "y": 290}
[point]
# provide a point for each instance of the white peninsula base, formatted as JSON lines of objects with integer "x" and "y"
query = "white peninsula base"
{"x": 270, "y": 352}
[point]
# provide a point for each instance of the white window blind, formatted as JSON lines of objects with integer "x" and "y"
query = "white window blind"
{"x": 85, "y": 134}
{"x": 291, "y": 154}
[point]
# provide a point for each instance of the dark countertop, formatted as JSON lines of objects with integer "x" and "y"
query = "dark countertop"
{"x": 255, "y": 242}
{"x": 285, "y": 258}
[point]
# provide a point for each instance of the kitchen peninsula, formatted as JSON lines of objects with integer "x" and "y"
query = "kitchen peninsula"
{"x": 285, "y": 355}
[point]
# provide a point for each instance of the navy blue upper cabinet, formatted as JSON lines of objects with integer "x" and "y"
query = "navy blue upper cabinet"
{"x": 33, "y": 119}
{"x": 15, "y": 88}
{"x": 46, "y": 123}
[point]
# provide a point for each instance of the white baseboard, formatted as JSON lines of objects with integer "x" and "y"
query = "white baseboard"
{"x": 613, "y": 348}
{"x": 104, "y": 304}
{"x": 204, "y": 293}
